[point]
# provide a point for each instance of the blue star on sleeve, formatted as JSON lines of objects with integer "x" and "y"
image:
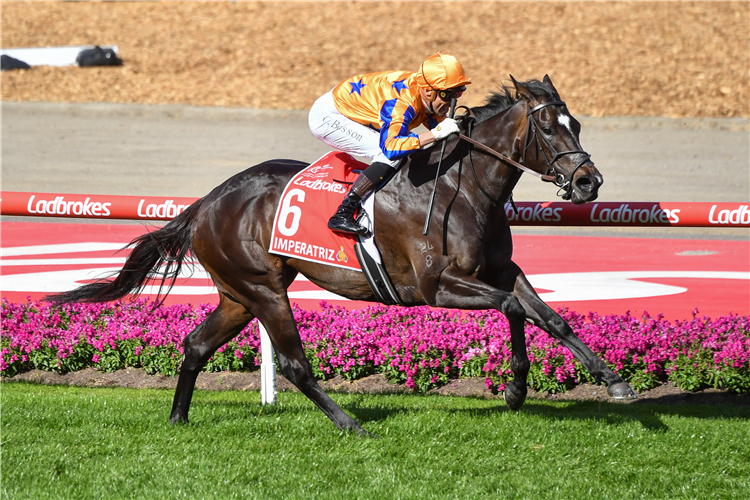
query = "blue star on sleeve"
{"x": 357, "y": 87}
{"x": 399, "y": 86}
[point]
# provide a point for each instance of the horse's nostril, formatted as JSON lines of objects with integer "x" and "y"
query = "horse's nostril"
{"x": 585, "y": 184}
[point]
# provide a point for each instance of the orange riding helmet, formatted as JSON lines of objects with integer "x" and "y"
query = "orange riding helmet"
{"x": 441, "y": 72}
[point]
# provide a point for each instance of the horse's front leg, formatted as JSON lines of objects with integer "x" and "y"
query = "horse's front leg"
{"x": 458, "y": 290}
{"x": 543, "y": 316}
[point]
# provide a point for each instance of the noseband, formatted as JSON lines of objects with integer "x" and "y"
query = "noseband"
{"x": 532, "y": 129}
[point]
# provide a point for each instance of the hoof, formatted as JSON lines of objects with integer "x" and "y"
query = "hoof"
{"x": 513, "y": 399}
{"x": 351, "y": 426}
{"x": 363, "y": 433}
{"x": 176, "y": 419}
{"x": 621, "y": 390}
{"x": 359, "y": 431}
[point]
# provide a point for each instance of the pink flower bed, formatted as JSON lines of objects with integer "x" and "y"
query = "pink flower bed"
{"x": 420, "y": 347}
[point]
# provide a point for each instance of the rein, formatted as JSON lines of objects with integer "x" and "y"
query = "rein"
{"x": 505, "y": 159}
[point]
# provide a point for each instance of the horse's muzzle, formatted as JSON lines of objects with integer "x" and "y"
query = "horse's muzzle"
{"x": 586, "y": 185}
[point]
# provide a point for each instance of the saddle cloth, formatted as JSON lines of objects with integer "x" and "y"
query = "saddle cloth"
{"x": 310, "y": 198}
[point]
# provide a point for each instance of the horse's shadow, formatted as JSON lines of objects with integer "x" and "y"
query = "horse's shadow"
{"x": 607, "y": 412}
{"x": 649, "y": 413}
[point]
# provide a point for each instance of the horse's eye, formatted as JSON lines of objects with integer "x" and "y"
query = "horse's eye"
{"x": 547, "y": 129}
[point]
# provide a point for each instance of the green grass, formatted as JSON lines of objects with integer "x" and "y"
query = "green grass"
{"x": 66, "y": 442}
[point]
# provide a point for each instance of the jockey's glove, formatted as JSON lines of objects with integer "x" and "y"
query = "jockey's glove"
{"x": 445, "y": 129}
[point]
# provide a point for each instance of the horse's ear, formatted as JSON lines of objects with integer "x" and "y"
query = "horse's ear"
{"x": 548, "y": 82}
{"x": 522, "y": 90}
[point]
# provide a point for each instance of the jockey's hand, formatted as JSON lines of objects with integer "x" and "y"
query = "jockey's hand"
{"x": 445, "y": 129}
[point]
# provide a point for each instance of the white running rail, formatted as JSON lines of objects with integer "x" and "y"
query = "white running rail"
{"x": 267, "y": 368}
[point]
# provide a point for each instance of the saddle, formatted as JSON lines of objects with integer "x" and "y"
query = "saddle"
{"x": 300, "y": 223}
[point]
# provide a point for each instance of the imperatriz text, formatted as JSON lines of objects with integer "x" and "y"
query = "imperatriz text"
{"x": 302, "y": 248}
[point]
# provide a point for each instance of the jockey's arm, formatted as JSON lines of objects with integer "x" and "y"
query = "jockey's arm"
{"x": 426, "y": 139}
{"x": 396, "y": 140}
{"x": 443, "y": 130}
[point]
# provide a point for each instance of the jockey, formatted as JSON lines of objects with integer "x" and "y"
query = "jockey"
{"x": 372, "y": 115}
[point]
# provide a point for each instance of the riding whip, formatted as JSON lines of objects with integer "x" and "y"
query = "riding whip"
{"x": 426, "y": 230}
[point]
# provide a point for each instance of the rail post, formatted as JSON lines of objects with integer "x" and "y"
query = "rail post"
{"x": 267, "y": 368}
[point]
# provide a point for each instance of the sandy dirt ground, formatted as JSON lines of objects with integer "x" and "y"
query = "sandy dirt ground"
{"x": 669, "y": 59}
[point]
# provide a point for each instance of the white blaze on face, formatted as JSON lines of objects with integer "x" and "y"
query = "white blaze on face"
{"x": 564, "y": 120}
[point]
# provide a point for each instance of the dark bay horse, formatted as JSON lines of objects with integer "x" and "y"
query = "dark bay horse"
{"x": 464, "y": 263}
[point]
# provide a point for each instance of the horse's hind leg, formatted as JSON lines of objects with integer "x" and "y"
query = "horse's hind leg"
{"x": 276, "y": 315}
{"x": 222, "y": 325}
{"x": 543, "y": 316}
{"x": 263, "y": 293}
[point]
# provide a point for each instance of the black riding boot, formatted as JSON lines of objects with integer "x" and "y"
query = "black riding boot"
{"x": 368, "y": 181}
{"x": 343, "y": 220}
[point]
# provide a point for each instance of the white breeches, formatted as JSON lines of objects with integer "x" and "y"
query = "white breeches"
{"x": 344, "y": 134}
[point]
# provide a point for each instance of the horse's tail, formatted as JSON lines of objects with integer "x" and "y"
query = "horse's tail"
{"x": 156, "y": 255}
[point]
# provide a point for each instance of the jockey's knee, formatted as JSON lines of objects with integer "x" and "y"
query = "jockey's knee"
{"x": 378, "y": 171}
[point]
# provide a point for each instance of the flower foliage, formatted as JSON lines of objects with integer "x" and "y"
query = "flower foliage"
{"x": 421, "y": 347}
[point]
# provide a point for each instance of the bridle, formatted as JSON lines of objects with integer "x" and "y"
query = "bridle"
{"x": 532, "y": 129}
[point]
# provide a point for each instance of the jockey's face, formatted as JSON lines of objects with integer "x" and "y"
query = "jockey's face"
{"x": 441, "y": 107}
{"x": 441, "y": 99}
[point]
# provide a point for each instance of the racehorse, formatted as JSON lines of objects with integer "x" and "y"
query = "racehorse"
{"x": 464, "y": 263}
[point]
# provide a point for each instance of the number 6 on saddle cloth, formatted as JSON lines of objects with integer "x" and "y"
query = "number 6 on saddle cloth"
{"x": 305, "y": 206}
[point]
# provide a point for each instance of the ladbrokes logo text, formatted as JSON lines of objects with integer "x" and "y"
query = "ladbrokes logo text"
{"x": 59, "y": 206}
{"x": 624, "y": 214}
{"x": 166, "y": 210}
{"x": 318, "y": 185}
{"x": 537, "y": 213}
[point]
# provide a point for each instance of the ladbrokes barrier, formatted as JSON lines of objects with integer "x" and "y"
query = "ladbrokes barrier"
{"x": 665, "y": 214}
{"x": 93, "y": 206}
{"x": 675, "y": 214}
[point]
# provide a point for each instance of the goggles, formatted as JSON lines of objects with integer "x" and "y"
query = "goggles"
{"x": 453, "y": 93}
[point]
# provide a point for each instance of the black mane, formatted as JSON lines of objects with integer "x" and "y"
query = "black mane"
{"x": 498, "y": 102}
